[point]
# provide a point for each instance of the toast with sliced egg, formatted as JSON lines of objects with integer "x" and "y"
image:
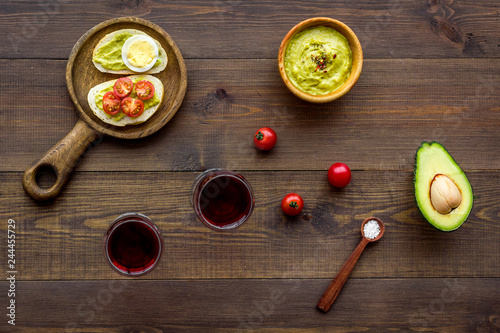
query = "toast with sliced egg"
{"x": 129, "y": 51}
{"x": 146, "y": 91}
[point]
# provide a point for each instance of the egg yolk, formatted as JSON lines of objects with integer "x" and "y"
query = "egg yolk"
{"x": 140, "y": 53}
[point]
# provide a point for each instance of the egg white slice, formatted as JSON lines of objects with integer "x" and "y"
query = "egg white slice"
{"x": 129, "y": 42}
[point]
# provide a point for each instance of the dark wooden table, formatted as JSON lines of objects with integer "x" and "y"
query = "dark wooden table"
{"x": 431, "y": 72}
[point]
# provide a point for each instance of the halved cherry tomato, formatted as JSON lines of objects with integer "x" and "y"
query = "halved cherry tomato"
{"x": 126, "y": 105}
{"x": 144, "y": 89}
{"x": 123, "y": 87}
{"x": 292, "y": 204}
{"x": 132, "y": 107}
{"x": 110, "y": 103}
{"x": 265, "y": 138}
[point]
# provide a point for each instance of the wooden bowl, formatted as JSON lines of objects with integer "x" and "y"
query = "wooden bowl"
{"x": 357, "y": 59}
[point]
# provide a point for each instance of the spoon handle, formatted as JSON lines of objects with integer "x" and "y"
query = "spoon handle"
{"x": 338, "y": 282}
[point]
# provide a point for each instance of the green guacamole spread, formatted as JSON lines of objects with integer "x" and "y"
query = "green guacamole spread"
{"x": 318, "y": 60}
{"x": 109, "y": 55}
{"x": 147, "y": 103}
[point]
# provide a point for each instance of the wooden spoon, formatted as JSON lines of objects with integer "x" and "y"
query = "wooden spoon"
{"x": 338, "y": 282}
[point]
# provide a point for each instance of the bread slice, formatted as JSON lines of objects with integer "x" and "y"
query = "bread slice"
{"x": 162, "y": 54}
{"x": 125, "y": 120}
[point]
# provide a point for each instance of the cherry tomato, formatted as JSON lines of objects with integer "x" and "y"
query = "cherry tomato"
{"x": 144, "y": 89}
{"x": 292, "y": 204}
{"x": 110, "y": 103}
{"x": 265, "y": 138}
{"x": 132, "y": 107}
{"x": 123, "y": 87}
{"x": 339, "y": 175}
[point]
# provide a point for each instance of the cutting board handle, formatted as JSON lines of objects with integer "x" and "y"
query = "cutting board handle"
{"x": 62, "y": 158}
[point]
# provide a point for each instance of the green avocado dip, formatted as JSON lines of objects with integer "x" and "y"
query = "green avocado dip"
{"x": 147, "y": 103}
{"x": 109, "y": 55}
{"x": 318, "y": 60}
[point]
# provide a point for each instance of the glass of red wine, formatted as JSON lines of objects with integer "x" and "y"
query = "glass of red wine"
{"x": 133, "y": 244}
{"x": 222, "y": 199}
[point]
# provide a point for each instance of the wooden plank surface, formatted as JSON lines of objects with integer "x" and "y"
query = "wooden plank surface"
{"x": 254, "y": 29}
{"x": 376, "y": 305}
{"x": 377, "y": 126}
{"x": 431, "y": 72}
{"x": 62, "y": 240}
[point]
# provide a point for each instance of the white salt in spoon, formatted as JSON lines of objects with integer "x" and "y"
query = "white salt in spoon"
{"x": 338, "y": 282}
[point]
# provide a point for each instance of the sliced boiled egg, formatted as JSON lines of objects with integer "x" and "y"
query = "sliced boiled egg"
{"x": 140, "y": 53}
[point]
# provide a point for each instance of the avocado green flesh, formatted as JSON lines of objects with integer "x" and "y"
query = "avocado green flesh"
{"x": 109, "y": 55}
{"x": 432, "y": 159}
{"x": 147, "y": 103}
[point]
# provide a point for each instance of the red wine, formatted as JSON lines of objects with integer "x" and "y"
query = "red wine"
{"x": 224, "y": 200}
{"x": 133, "y": 245}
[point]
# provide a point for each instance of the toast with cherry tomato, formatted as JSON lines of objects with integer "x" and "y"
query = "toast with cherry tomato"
{"x": 128, "y": 100}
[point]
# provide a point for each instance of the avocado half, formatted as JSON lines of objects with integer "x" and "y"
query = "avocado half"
{"x": 432, "y": 159}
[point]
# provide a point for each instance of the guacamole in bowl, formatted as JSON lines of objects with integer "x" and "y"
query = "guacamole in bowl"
{"x": 318, "y": 60}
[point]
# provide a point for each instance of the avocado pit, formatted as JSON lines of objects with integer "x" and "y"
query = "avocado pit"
{"x": 444, "y": 194}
